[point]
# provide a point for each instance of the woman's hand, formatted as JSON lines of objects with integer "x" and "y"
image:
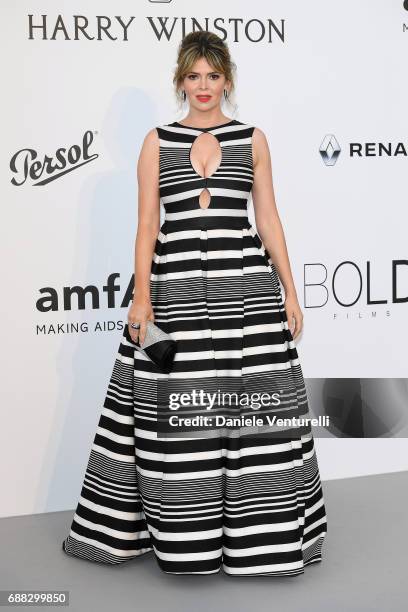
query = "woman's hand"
{"x": 294, "y": 315}
{"x": 140, "y": 311}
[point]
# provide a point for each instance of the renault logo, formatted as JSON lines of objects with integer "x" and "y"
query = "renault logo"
{"x": 329, "y": 150}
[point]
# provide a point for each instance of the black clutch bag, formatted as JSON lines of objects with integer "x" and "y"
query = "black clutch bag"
{"x": 158, "y": 346}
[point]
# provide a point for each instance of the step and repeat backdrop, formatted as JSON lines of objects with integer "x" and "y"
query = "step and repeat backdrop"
{"x": 83, "y": 82}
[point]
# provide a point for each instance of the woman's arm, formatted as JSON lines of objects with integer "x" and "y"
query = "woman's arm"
{"x": 148, "y": 227}
{"x": 270, "y": 228}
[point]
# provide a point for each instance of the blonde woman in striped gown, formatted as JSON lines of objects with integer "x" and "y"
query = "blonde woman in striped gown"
{"x": 218, "y": 498}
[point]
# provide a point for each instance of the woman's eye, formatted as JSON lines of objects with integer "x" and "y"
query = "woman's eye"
{"x": 212, "y": 76}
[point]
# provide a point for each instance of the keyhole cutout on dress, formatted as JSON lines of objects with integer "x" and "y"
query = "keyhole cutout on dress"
{"x": 205, "y": 158}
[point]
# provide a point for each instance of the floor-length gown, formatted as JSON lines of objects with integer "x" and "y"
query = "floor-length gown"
{"x": 245, "y": 504}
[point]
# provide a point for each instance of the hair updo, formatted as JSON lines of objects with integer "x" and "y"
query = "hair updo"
{"x": 210, "y": 46}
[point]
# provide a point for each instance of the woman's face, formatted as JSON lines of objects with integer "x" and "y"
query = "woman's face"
{"x": 202, "y": 81}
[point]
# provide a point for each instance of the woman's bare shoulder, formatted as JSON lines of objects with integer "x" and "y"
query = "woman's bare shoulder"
{"x": 148, "y": 160}
{"x": 259, "y": 135}
{"x": 150, "y": 144}
{"x": 260, "y": 144}
{"x": 152, "y": 136}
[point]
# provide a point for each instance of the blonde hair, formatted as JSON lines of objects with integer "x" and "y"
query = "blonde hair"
{"x": 210, "y": 46}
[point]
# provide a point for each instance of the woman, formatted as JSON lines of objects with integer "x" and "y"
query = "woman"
{"x": 248, "y": 500}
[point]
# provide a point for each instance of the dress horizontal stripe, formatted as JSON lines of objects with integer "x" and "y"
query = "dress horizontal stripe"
{"x": 204, "y": 500}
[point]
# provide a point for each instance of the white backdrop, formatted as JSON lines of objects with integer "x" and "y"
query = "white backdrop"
{"x": 323, "y": 68}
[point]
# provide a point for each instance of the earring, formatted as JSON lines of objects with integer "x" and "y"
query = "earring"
{"x": 184, "y": 95}
{"x": 225, "y": 94}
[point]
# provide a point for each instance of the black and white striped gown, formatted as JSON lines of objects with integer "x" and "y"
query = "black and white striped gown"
{"x": 244, "y": 504}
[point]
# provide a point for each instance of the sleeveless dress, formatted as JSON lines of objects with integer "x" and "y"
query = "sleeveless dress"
{"x": 246, "y": 505}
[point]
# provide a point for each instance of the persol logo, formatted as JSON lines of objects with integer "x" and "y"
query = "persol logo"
{"x": 26, "y": 166}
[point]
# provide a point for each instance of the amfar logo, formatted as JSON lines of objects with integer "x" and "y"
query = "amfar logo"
{"x": 25, "y": 165}
{"x": 330, "y": 149}
{"x": 75, "y": 298}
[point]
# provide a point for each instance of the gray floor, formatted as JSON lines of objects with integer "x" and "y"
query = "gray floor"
{"x": 363, "y": 568}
